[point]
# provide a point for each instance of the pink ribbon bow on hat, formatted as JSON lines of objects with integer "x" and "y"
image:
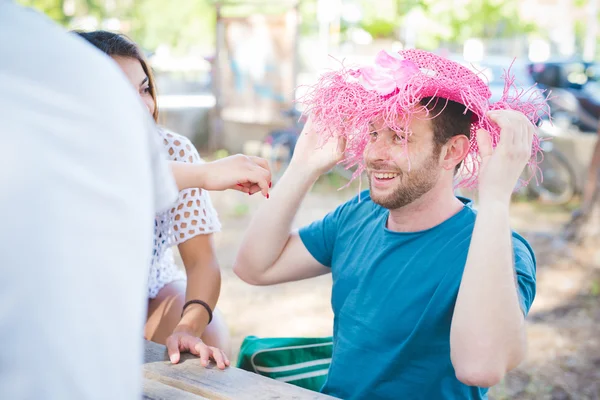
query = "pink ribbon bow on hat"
{"x": 389, "y": 73}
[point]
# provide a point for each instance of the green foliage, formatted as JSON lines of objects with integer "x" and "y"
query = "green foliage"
{"x": 52, "y": 8}
{"x": 180, "y": 24}
{"x": 595, "y": 288}
{"x": 458, "y": 20}
{"x": 222, "y": 153}
{"x": 488, "y": 19}
{"x": 380, "y": 21}
{"x": 308, "y": 21}
{"x": 55, "y": 9}
{"x": 240, "y": 210}
{"x": 450, "y": 21}
{"x": 405, "y": 6}
{"x": 379, "y": 28}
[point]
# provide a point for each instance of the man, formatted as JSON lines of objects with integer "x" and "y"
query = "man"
{"x": 81, "y": 181}
{"x": 429, "y": 296}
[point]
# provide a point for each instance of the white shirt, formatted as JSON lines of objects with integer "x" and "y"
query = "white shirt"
{"x": 81, "y": 180}
{"x": 191, "y": 215}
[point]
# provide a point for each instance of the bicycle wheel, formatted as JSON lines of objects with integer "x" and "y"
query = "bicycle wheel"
{"x": 558, "y": 180}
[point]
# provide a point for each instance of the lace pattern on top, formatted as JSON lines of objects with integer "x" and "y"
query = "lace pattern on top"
{"x": 191, "y": 215}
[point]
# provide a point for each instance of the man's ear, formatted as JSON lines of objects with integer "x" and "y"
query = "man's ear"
{"x": 455, "y": 151}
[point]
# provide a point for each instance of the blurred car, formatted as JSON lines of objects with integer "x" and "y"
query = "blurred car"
{"x": 564, "y": 74}
{"x": 495, "y": 68}
{"x": 492, "y": 70}
{"x": 575, "y": 86}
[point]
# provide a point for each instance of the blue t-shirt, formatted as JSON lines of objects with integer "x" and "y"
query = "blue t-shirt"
{"x": 393, "y": 298}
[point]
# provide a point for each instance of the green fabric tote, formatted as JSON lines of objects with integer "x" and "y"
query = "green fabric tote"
{"x": 302, "y": 362}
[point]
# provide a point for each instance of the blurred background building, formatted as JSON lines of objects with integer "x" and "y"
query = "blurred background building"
{"x": 227, "y": 70}
{"x": 266, "y": 48}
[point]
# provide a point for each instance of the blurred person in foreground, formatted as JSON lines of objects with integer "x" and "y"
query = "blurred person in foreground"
{"x": 77, "y": 214}
{"x": 83, "y": 176}
{"x": 429, "y": 296}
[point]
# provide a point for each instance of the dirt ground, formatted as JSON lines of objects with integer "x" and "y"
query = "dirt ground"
{"x": 563, "y": 326}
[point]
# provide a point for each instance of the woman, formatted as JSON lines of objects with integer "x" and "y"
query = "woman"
{"x": 189, "y": 224}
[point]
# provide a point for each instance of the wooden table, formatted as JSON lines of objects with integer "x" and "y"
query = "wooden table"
{"x": 189, "y": 380}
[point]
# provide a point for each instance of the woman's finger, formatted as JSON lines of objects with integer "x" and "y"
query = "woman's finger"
{"x": 254, "y": 189}
{"x": 190, "y": 343}
{"x": 261, "y": 161}
{"x": 262, "y": 178}
{"x": 217, "y": 355}
{"x": 204, "y": 352}
{"x": 173, "y": 349}
{"x": 225, "y": 358}
{"x": 266, "y": 172}
{"x": 241, "y": 188}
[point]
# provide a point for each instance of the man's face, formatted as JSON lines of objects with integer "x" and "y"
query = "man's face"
{"x": 399, "y": 175}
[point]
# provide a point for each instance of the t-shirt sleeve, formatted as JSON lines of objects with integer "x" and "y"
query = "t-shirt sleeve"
{"x": 525, "y": 269}
{"x": 320, "y": 236}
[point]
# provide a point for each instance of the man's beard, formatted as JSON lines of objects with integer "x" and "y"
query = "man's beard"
{"x": 411, "y": 185}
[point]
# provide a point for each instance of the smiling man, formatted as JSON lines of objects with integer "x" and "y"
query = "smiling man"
{"x": 429, "y": 296}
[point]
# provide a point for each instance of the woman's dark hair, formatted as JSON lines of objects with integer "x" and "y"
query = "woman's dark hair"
{"x": 119, "y": 45}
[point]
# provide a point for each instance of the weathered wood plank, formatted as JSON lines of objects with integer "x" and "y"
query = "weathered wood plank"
{"x": 232, "y": 383}
{"x": 155, "y": 390}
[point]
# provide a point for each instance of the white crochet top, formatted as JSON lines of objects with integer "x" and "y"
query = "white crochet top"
{"x": 193, "y": 214}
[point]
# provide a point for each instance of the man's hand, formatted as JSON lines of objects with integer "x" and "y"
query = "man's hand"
{"x": 239, "y": 172}
{"x": 312, "y": 157}
{"x": 502, "y": 166}
{"x": 186, "y": 342}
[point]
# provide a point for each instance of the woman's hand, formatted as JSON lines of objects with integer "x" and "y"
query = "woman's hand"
{"x": 246, "y": 174}
{"x": 183, "y": 341}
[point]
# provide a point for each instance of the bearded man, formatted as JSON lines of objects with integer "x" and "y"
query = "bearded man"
{"x": 429, "y": 295}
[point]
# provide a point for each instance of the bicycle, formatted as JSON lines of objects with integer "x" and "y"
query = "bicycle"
{"x": 557, "y": 185}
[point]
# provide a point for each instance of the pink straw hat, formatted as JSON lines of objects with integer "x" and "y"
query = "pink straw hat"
{"x": 345, "y": 101}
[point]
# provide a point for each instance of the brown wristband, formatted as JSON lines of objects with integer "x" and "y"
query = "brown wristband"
{"x": 203, "y": 304}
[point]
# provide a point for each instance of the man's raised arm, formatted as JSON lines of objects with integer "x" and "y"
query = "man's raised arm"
{"x": 270, "y": 253}
{"x": 487, "y": 337}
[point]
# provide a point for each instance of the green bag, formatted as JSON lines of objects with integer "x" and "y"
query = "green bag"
{"x": 302, "y": 362}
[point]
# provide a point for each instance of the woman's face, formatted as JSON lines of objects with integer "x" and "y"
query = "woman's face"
{"x": 138, "y": 78}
